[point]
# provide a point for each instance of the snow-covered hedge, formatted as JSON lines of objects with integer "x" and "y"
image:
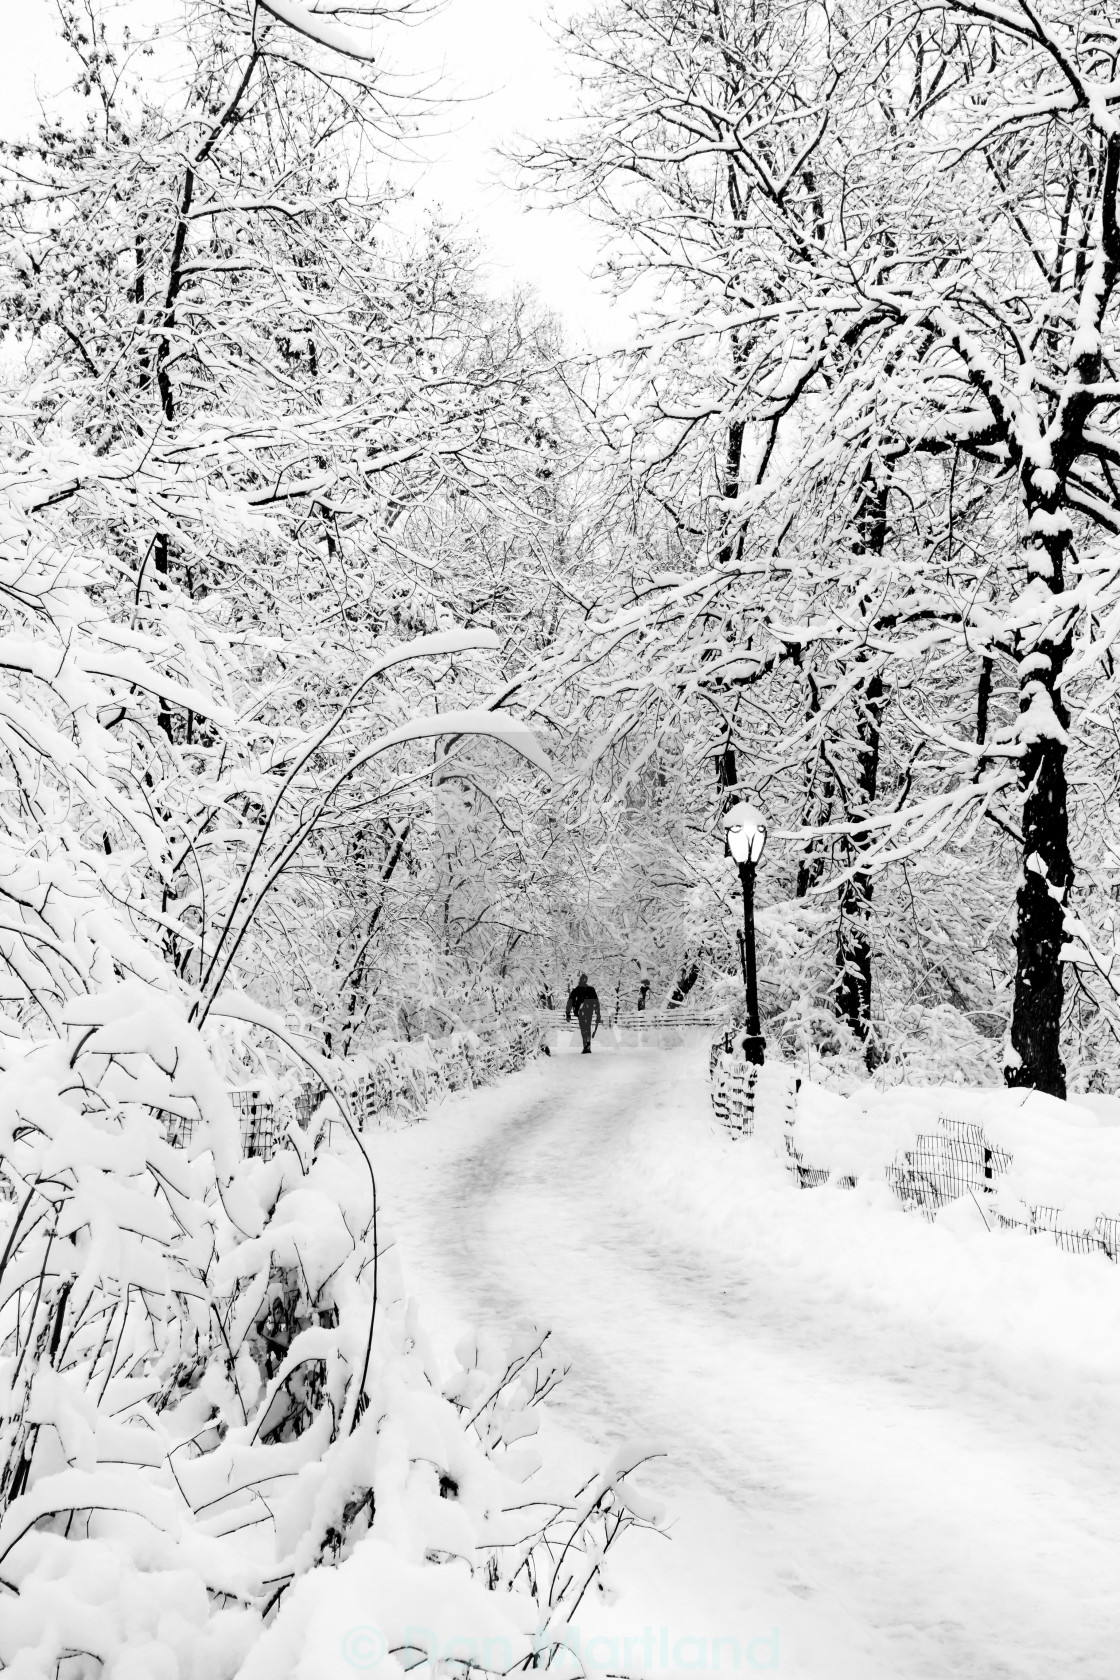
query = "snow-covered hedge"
{"x": 224, "y": 1442}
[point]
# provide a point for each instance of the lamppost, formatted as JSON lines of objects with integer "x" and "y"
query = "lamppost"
{"x": 746, "y": 840}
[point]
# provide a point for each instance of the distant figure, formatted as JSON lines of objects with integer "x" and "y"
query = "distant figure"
{"x": 583, "y": 1003}
{"x": 643, "y": 994}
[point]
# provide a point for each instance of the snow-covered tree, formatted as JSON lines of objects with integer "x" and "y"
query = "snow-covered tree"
{"x": 875, "y": 266}
{"x": 303, "y": 442}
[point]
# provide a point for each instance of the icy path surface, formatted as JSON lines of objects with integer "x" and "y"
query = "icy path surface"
{"x": 880, "y": 1461}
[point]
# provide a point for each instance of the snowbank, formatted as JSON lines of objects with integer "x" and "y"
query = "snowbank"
{"x": 1040, "y": 1317}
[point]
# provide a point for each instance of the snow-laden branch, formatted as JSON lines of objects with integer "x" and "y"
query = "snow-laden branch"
{"x": 313, "y": 21}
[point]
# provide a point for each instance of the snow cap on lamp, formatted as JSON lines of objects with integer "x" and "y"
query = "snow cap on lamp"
{"x": 746, "y": 832}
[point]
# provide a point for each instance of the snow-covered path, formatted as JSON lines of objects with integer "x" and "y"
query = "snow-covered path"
{"x": 894, "y": 1491}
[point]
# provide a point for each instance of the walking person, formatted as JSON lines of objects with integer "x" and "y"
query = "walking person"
{"x": 583, "y": 1003}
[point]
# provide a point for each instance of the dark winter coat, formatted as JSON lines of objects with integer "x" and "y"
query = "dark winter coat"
{"x": 581, "y": 998}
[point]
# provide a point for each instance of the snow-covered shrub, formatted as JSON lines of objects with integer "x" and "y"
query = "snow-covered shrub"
{"x": 214, "y": 1392}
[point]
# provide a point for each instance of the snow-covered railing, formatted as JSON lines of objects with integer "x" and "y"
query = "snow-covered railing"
{"x": 746, "y": 1096}
{"x": 937, "y": 1147}
{"x": 1105, "y": 1234}
{"x": 733, "y": 1093}
{"x": 639, "y": 1020}
{"x": 397, "y": 1078}
{"x": 646, "y": 1019}
{"x": 403, "y": 1078}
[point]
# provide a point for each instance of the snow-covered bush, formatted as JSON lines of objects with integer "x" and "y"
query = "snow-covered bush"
{"x": 214, "y": 1392}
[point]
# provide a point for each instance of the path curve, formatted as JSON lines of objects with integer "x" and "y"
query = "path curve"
{"x": 833, "y": 1478}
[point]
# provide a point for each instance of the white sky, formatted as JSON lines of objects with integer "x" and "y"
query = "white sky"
{"x": 497, "y": 57}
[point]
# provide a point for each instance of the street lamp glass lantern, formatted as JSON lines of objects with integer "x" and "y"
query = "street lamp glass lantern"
{"x": 746, "y": 833}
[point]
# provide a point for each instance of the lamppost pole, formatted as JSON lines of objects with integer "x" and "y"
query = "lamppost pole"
{"x": 746, "y": 838}
{"x": 750, "y": 963}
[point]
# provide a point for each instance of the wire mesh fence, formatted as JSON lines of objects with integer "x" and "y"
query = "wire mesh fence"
{"x": 960, "y": 1160}
{"x": 1049, "y": 1221}
{"x": 256, "y": 1115}
{"x": 180, "y": 1128}
{"x": 807, "y": 1177}
{"x": 1108, "y": 1230}
{"x": 953, "y": 1161}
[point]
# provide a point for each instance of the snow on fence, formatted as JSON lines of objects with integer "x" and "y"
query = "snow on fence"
{"x": 659, "y": 1028}
{"x": 642, "y": 1020}
{"x": 638, "y": 1020}
{"x": 746, "y": 1098}
{"x": 404, "y": 1078}
{"x": 395, "y": 1078}
{"x": 256, "y": 1113}
{"x": 1027, "y": 1161}
{"x": 957, "y": 1160}
{"x": 733, "y": 1081}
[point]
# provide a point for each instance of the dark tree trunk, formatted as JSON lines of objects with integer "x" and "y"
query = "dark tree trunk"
{"x": 1047, "y": 873}
{"x": 854, "y": 949}
{"x": 817, "y": 809}
{"x": 853, "y": 943}
{"x": 139, "y": 295}
{"x": 1046, "y": 878}
{"x": 727, "y": 776}
{"x": 983, "y": 700}
{"x": 733, "y": 464}
{"x": 809, "y": 871}
{"x": 229, "y": 117}
{"x": 1039, "y": 936}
